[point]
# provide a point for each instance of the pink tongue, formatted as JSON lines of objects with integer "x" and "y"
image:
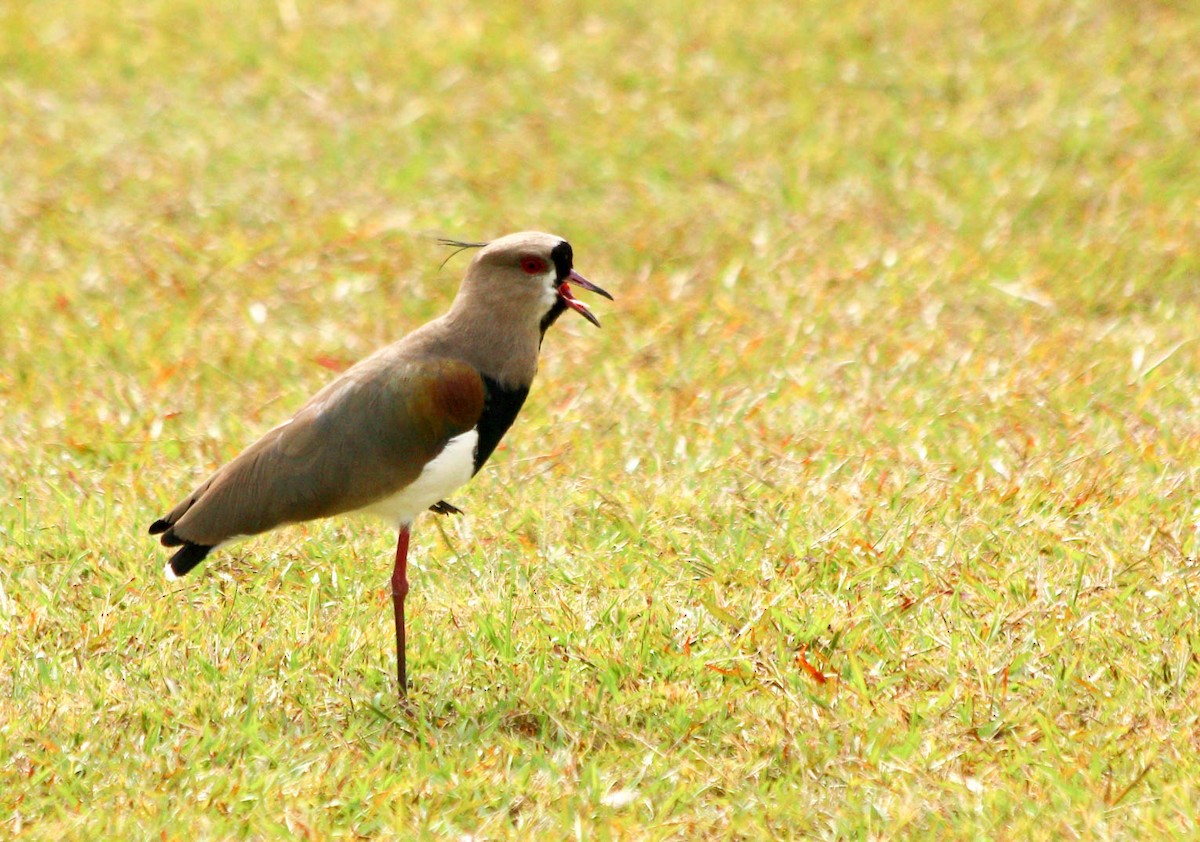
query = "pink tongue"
{"x": 575, "y": 304}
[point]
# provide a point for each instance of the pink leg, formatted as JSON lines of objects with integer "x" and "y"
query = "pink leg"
{"x": 399, "y": 592}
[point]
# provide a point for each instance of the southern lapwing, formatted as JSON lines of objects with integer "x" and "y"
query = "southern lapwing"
{"x": 397, "y": 433}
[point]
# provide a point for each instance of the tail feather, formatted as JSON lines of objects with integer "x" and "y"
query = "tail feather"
{"x": 188, "y": 556}
{"x": 190, "y": 553}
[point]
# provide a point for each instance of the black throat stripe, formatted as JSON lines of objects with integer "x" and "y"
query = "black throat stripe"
{"x": 563, "y": 258}
{"x": 556, "y": 309}
{"x": 500, "y": 407}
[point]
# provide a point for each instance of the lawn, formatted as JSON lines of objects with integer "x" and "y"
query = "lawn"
{"x": 873, "y": 511}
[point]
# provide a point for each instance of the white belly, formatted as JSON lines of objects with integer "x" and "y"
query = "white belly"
{"x": 447, "y": 472}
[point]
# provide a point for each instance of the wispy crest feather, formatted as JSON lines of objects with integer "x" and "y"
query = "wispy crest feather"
{"x": 459, "y": 246}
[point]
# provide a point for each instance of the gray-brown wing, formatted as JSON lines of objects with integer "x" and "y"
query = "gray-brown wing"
{"x": 365, "y": 436}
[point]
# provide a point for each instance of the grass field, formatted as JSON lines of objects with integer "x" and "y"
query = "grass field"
{"x": 872, "y": 511}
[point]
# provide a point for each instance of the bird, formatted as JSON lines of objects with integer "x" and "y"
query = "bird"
{"x": 398, "y": 432}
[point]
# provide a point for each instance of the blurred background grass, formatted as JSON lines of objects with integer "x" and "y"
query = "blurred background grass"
{"x": 871, "y": 511}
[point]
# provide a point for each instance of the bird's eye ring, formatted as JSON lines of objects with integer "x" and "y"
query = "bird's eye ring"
{"x": 533, "y": 265}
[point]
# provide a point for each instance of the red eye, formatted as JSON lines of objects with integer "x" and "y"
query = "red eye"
{"x": 533, "y": 265}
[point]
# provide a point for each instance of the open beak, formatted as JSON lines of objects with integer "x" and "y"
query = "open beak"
{"x": 564, "y": 292}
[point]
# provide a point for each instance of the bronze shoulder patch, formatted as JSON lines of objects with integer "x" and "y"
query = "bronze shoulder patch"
{"x": 456, "y": 394}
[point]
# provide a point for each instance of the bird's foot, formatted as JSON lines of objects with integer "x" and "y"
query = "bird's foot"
{"x": 441, "y": 507}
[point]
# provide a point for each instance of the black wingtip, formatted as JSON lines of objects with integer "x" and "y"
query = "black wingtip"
{"x": 170, "y": 539}
{"x": 159, "y": 526}
{"x": 188, "y": 557}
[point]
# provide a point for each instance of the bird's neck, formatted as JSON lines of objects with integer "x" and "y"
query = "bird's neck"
{"x": 494, "y": 341}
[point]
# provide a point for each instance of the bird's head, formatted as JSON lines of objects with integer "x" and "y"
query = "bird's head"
{"x": 528, "y": 273}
